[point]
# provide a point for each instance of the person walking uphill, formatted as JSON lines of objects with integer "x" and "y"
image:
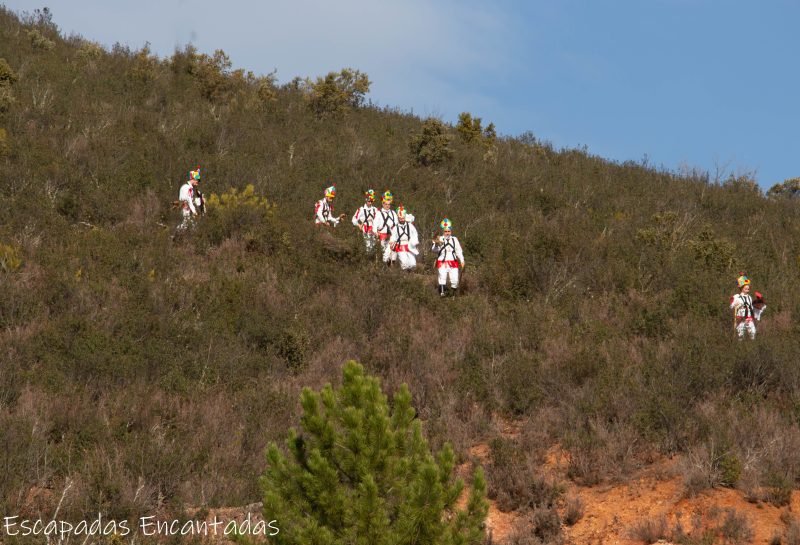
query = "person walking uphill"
{"x": 186, "y": 199}
{"x": 403, "y": 241}
{"x": 746, "y": 310}
{"x": 323, "y": 210}
{"x": 364, "y": 218}
{"x": 384, "y": 222}
{"x": 449, "y": 257}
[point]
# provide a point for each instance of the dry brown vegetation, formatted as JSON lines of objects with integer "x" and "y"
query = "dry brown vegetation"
{"x": 144, "y": 374}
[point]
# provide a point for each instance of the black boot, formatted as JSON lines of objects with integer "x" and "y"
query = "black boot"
{"x": 453, "y": 292}
{"x": 441, "y": 290}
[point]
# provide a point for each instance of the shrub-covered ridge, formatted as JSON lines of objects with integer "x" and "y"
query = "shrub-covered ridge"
{"x": 152, "y": 372}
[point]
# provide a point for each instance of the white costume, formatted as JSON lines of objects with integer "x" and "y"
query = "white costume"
{"x": 746, "y": 314}
{"x": 403, "y": 243}
{"x": 384, "y": 223}
{"x": 449, "y": 258}
{"x": 186, "y": 198}
{"x": 323, "y": 213}
{"x": 364, "y": 219}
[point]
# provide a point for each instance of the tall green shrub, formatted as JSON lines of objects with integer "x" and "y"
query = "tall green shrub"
{"x": 361, "y": 472}
{"x": 432, "y": 145}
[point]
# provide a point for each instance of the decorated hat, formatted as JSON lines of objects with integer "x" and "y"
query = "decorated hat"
{"x": 330, "y": 191}
{"x": 387, "y": 196}
{"x": 743, "y": 280}
{"x": 401, "y": 213}
{"x": 369, "y": 195}
{"x": 446, "y": 224}
{"x": 195, "y": 174}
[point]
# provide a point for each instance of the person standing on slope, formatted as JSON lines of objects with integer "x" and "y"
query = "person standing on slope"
{"x": 385, "y": 220}
{"x": 323, "y": 210}
{"x": 364, "y": 218}
{"x": 746, "y": 310}
{"x": 449, "y": 257}
{"x": 186, "y": 199}
{"x": 403, "y": 241}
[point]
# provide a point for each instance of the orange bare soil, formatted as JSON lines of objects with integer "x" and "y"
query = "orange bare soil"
{"x": 611, "y": 512}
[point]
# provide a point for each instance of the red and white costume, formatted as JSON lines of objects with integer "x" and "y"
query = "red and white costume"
{"x": 403, "y": 243}
{"x": 746, "y": 314}
{"x": 323, "y": 213}
{"x": 364, "y": 219}
{"x": 385, "y": 221}
{"x": 186, "y": 198}
{"x": 448, "y": 260}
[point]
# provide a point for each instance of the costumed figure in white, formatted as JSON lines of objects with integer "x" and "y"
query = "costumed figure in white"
{"x": 385, "y": 221}
{"x": 449, "y": 257}
{"x": 403, "y": 241}
{"x": 323, "y": 209}
{"x": 746, "y": 309}
{"x": 364, "y": 219}
{"x": 189, "y": 199}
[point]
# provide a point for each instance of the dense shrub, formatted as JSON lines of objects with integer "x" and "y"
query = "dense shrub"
{"x": 431, "y": 145}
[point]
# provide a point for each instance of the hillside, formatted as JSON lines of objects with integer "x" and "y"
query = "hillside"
{"x": 147, "y": 374}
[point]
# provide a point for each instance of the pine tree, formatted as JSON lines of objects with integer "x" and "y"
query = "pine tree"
{"x": 362, "y": 473}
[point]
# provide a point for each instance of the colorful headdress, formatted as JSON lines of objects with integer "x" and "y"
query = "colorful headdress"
{"x": 369, "y": 195}
{"x": 401, "y": 213}
{"x": 446, "y": 224}
{"x": 743, "y": 281}
{"x": 330, "y": 191}
{"x": 387, "y": 196}
{"x": 195, "y": 174}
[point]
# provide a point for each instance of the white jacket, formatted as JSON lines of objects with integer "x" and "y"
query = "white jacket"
{"x": 365, "y": 215}
{"x": 449, "y": 250}
{"x": 186, "y": 196}
{"x": 385, "y": 220}
{"x": 323, "y": 213}
{"x": 405, "y": 234}
{"x": 743, "y": 306}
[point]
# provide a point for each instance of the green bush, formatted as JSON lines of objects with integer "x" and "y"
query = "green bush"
{"x": 361, "y": 472}
{"x": 7, "y": 76}
{"x": 336, "y": 93}
{"x": 431, "y": 145}
{"x": 469, "y": 129}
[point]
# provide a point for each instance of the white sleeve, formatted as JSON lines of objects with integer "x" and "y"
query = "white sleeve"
{"x": 393, "y": 234}
{"x": 318, "y": 211}
{"x": 758, "y": 311}
{"x": 413, "y": 235}
{"x": 459, "y": 252}
{"x": 186, "y": 197}
{"x": 357, "y": 216}
{"x": 736, "y": 301}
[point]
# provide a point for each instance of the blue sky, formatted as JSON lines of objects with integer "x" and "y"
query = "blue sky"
{"x": 706, "y": 84}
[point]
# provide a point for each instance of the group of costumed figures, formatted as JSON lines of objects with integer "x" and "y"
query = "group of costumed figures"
{"x": 398, "y": 237}
{"x": 399, "y": 241}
